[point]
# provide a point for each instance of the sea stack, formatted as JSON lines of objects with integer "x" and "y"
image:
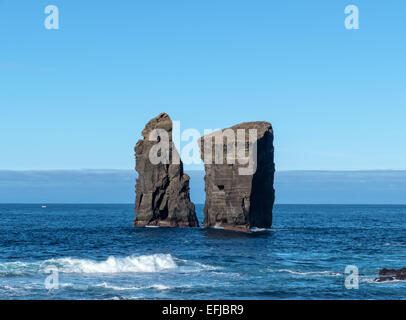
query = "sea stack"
{"x": 239, "y": 196}
{"x": 162, "y": 189}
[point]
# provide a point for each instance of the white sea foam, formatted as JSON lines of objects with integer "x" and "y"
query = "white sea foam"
{"x": 394, "y": 245}
{"x": 108, "y": 286}
{"x": 151, "y": 263}
{"x": 7, "y": 288}
{"x": 113, "y": 265}
{"x": 310, "y": 273}
{"x": 255, "y": 229}
{"x": 373, "y": 280}
{"x": 193, "y": 266}
{"x": 147, "y": 263}
{"x": 118, "y": 288}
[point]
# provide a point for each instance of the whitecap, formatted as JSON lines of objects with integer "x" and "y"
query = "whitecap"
{"x": 374, "y": 281}
{"x": 310, "y": 273}
{"x": 130, "y": 264}
{"x": 193, "y": 266}
{"x": 108, "y": 286}
{"x": 150, "y": 263}
{"x": 159, "y": 287}
{"x": 394, "y": 245}
{"x": 118, "y": 288}
{"x": 255, "y": 229}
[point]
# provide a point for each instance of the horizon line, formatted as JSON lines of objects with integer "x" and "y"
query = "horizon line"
{"x": 202, "y": 204}
{"x": 199, "y": 170}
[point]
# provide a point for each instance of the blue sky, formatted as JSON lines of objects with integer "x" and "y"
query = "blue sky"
{"x": 79, "y": 97}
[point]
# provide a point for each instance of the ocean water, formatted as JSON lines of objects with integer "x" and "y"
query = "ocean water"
{"x": 100, "y": 255}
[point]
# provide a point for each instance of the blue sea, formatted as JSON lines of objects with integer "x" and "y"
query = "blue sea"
{"x": 94, "y": 252}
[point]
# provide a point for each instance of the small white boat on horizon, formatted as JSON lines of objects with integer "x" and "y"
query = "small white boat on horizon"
{"x": 43, "y": 206}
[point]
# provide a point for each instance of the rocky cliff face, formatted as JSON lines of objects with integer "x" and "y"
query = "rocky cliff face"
{"x": 237, "y": 198}
{"x": 162, "y": 189}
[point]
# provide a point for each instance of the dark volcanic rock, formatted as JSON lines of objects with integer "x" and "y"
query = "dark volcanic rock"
{"x": 237, "y": 200}
{"x": 163, "y": 196}
{"x": 391, "y": 274}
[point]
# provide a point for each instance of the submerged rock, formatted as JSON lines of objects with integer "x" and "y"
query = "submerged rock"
{"x": 391, "y": 274}
{"x": 162, "y": 189}
{"x": 239, "y": 194}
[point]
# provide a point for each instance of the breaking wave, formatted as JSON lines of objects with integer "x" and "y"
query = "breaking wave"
{"x": 130, "y": 264}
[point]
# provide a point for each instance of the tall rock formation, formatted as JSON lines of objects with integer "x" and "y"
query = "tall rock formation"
{"x": 236, "y": 198}
{"x": 162, "y": 189}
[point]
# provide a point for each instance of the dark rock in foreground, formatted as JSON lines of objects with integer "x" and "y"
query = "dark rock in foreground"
{"x": 162, "y": 190}
{"x": 391, "y": 274}
{"x": 237, "y": 200}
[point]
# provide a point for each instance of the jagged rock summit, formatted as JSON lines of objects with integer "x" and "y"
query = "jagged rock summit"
{"x": 236, "y": 198}
{"x": 162, "y": 189}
